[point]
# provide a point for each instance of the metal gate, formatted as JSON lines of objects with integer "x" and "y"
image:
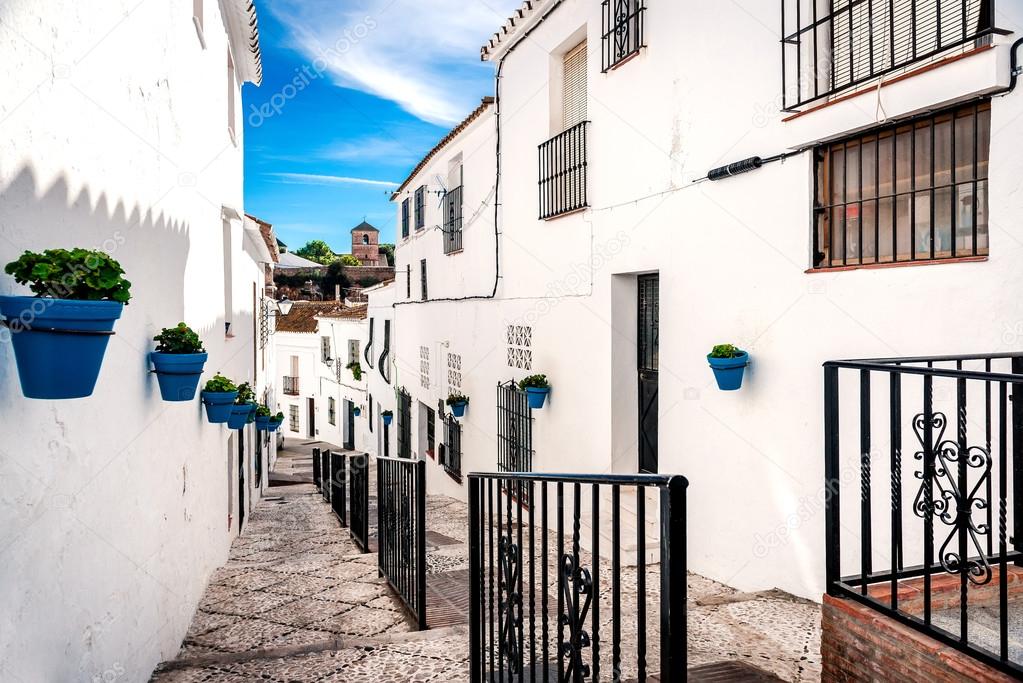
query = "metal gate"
{"x": 325, "y": 475}
{"x": 514, "y": 429}
{"x": 338, "y": 486}
{"x": 358, "y": 475}
{"x": 404, "y": 424}
{"x": 350, "y": 426}
{"x": 647, "y": 362}
{"x": 401, "y": 531}
{"x": 522, "y": 556}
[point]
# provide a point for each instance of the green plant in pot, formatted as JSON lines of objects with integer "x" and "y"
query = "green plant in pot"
{"x": 537, "y": 388}
{"x": 60, "y": 334}
{"x": 218, "y": 396}
{"x": 178, "y": 361}
{"x": 356, "y": 369}
{"x": 728, "y": 363}
{"x": 263, "y": 416}
{"x": 275, "y": 421}
{"x": 458, "y": 401}
{"x": 244, "y": 406}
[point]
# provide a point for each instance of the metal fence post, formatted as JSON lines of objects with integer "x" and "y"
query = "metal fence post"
{"x": 475, "y": 609}
{"x": 421, "y": 542}
{"x": 316, "y": 467}
{"x": 673, "y": 580}
{"x": 832, "y": 531}
{"x": 1016, "y": 397}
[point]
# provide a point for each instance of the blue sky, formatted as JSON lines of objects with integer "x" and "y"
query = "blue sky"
{"x": 354, "y": 93}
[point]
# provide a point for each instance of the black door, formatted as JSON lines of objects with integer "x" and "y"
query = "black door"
{"x": 350, "y": 426}
{"x": 257, "y": 466}
{"x": 647, "y": 353}
{"x": 312, "y": 417}
{"x": 241, "y": 479}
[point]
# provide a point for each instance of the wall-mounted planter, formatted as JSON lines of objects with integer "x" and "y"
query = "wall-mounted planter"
{"x": 178, "y": 374}
{"x": 274, "y": 425}
{"x": 59, "y": 344}
{"x": 356, "y": 411}
{"x": 219, "y": 405}
{"x": 263, "y": 423}
{"x": 240, "y": 415}
{"x": 536, "y": 396}
{"x": 728, "y": 371}
{"x": 387, "y": 419}
{"x": 458, "y": 409}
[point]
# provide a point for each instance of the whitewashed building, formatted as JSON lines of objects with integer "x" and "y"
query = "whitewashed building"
{"x": 343, "y": 335}
{"x": 380, "y": 372}
{"x": 875, "y": 215}
{"x": 122, "y": 133}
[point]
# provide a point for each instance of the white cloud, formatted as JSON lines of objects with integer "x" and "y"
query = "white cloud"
{"x": 317, "y": 179}
{"x": 422, "y": 55}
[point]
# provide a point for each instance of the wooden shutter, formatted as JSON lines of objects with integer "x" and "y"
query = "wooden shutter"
{"x": 574, "y": 87}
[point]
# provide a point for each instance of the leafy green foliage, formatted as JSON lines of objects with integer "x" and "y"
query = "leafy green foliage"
{"x": 356, "y": 369}
{"x": 725, "y": 351}
{"x": 386, "y": 413}
{"x": 263, "y": 411}
{"x": 279, "y": 417}
{"x": 389, "y": 250}
{"x": 81, "y": 274}
{"x": 534, "y": 381}
{"x": 220, "y": 385}
{"x": 317, "y": 250}
{"x": 245, "y": 394}
{"x": 349, "y": 260}
{"x": 457, "y": 398}
{"x": 179, "y": 339}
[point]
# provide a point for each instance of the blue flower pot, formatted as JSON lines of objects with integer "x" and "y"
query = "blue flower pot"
{"x": 263, "y": 423}
{"x": 535, "y": 396}
{"x": 251, "y": 417}
{"x": 59, "y": 343}
{"x": 357, "y": 412}
{"x": 218, "y": 405}
{"x": 273, "y": 426}
{"x": 239, "y": 415}
{"x": 458, "y": 409}
{"x": 178, "y": 374}
{"x": 387, "y": 419}
{"x": 728, "y": 371}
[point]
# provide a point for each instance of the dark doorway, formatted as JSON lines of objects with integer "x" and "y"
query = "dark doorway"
{"x": 349, "y": 426}
{"x": 647, "y": 361}
{"x": 311, "y": 407}
{"x": 241, "y": 479}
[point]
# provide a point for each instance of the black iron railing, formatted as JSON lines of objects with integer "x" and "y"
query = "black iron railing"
{"x": 338, "y": 487}
{"x": 453, "y": 220}
{"x": 514, "y": 429}
{"x": 316, "y": 468}
{"x": 943, "y": 437}
{"x": 401, "y": 531}
{"x": 452, "y": 453}
{"x": 563, "y": 172}
{"x": 358, "y": 474}
{"x": 622, "y": 30}
{"x": 291, "y": 386}
{"x": 404, "y": 424}
{"x": 827, "y": 50}
{"x": 325, "y": 475}
{"x": 570, "y": 544}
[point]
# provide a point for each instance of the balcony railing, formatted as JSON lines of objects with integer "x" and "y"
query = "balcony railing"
{"x": 291, "y": 386}
{"x": 563, "y": 172}
{"x": 453, "y": 220}
{"x": 928, "y": 454}
{"x": 827, "y": 48}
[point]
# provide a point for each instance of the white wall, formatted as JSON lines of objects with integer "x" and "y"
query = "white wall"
{"x": 348, "y": 389}
{"x": 116, "y": 508}
{"x": 732, "y": 257}
{"x": 305, "y": 346}
{"x": 370, "y": 428}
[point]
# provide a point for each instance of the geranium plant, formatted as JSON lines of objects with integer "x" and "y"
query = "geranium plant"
{"x": 535, "y": 382}
{"x": 81, "y": 274}
{"x": 220, "y": 385}
{"x": 356, "y": 369}
{"x": 178, "y": 339}
{"x": 245, "y": 394}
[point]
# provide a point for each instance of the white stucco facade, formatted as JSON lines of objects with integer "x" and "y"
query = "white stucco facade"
{"x": 119, "y": 136}
{"x": 734, "y": 259}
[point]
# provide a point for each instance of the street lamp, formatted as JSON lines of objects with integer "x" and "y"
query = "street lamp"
{"x": 284, "y": 305}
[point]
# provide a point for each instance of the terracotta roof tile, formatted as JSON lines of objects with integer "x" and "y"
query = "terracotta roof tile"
{"x": 302, "y": 317}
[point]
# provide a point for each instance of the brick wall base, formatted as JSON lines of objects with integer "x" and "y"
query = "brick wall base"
{"x": 860, "y": 644}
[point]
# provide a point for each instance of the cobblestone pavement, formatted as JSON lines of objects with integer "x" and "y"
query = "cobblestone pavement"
{"x": 297, "y": 601}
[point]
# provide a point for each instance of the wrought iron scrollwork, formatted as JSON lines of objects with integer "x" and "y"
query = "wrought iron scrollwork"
{"x": 510, "y": 603}
{"x": 952, "y": 506}
{"x": 576, "y": 586}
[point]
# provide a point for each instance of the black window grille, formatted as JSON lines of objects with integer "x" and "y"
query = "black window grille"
{"x": 514, "y": 429}
{"x": 914, "y": 191}
{"x": 384, "y": 368}
{"x": 324, "y": 349}
{"x": 405, "y": 217}
{"x": 451, "y": 457}
{"x": 408, "y": 280}
{"x": 421, "y": 207}
{"x": 404, "y": 424}
{"x": 331, "y": 411}
{"x": 453, "y": 220}
{"x": 563, "y": 172}
{"x": 829, "y": 47}
{"x": 293, "y": 418}
{"x": 431, "y": 432}
{"x": 622, "y": 30}
{"x": 423, "y": 292}
{"x": 369, "y": 345}
{"x": 369, "y": 407}
{"x": 291, "y": 386}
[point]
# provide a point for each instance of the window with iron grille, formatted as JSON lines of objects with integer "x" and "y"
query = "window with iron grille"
{"x": 453, "y": 220}
{"x": 451, "y": 454}
{"x": 404, "y": 424}
{"x": 408, "y": 280}
{"x": 405, "y": 217}
{"x": 514, "y": 429}
{"x": 383, "y": 366}
{"x": 293, "y": 418}
{"x": 622, "y": 30}
{"x": 914, "y": 191}
{"x": 324, "y": 349}
{"x": 833, "y": 45}
{"x": 331, "y": 412}
{"x": 421, "y": 207}
{"x": 423, "y": 292}
{"x": 563, "y": 158}
{"x": 431, "y": 432}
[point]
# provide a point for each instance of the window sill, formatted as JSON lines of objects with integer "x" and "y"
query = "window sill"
{"x": 624, "y": 60}
{"x": 454, "y": 475}
{"x": 897, "y": 264}
{"x": 454, "y": 252}
{"x": 573, "y": 212}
